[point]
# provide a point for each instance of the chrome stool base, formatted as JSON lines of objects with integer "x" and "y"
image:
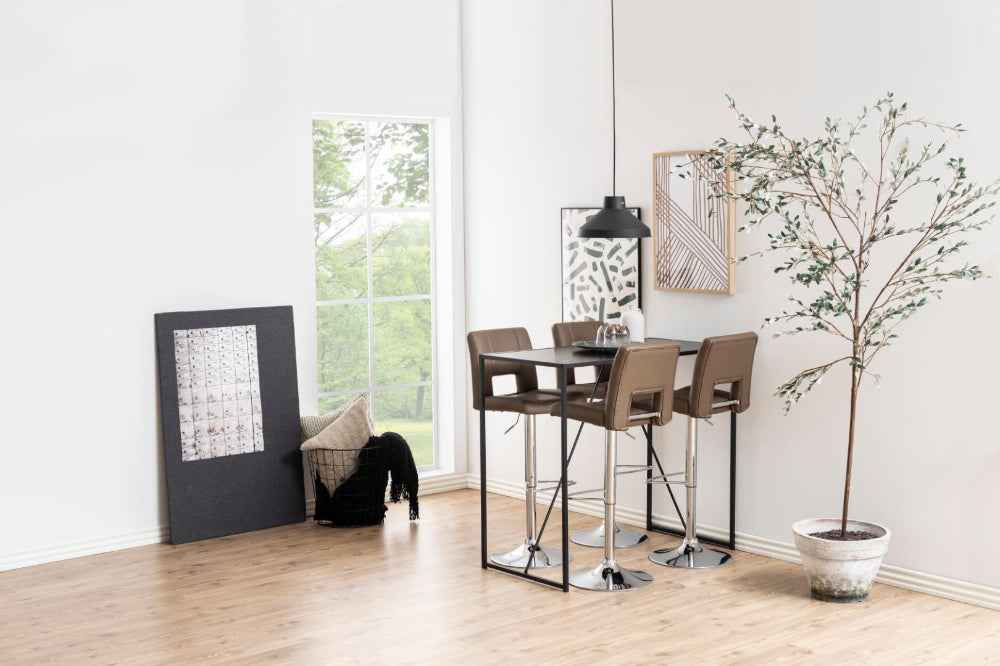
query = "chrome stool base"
{"x": 521, "y": 556}
{"x": 609, "y": 579}
{"x": 595, "y": 538}
{"x": 690, "y": 556}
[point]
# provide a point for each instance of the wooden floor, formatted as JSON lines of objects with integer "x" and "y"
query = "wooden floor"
{"x": 414, "y": 593}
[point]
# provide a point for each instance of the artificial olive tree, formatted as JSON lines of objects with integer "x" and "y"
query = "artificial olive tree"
{"x": 832, "y": 216}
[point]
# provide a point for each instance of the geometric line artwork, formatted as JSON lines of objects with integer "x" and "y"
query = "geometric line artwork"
{"x": 600, "y": 276}
{"x": 218, "y": 392}
{"x": 693, "y": 225}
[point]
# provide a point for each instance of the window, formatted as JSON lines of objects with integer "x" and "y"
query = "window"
{"x": 372, "y": 190}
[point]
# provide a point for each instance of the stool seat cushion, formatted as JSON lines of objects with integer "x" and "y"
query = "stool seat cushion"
{"x": 596, "y": 414}
{"x": 588, "y": 412}
{"x": 537, "y": 401}
{"x": 682, "y": 401}
{"x": 587, "y": 390}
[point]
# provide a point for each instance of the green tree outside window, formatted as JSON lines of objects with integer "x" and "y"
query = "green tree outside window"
{"x": 371, "y": 197}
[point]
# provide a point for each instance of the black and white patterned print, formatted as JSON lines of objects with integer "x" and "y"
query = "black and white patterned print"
{"x": 600, "y": 276}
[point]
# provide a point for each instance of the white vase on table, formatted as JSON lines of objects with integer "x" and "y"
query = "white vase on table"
{"x": 635, "y": 322}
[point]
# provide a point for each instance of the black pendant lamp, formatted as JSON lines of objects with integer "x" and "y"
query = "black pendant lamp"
{"x": 614, "y": 220}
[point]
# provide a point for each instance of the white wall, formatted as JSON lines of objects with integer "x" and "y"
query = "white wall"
{"x": 537, "y": 138}
{"x": 157, "y": 157}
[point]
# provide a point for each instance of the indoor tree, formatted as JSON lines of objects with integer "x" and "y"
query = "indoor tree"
{"x": 862, "y": 263}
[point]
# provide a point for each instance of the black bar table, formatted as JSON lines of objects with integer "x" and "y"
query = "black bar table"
{"x": 562, "y": 359}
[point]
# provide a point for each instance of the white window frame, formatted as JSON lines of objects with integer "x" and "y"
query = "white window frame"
{"x": 370, "y": 299}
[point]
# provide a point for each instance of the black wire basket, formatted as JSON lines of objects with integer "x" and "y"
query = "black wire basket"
{"x": 349, "y": 489}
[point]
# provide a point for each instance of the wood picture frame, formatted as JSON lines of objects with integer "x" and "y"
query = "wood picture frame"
{"x": 694, "y": 231}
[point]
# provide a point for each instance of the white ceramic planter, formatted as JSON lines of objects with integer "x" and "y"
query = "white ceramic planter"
{"x": 840, "y": 571}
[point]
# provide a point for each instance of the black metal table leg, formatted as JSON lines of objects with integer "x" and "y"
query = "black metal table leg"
{"x": 486, "y": 564}
{"x": 732, "y": 480}
{"x": 649, "y": 476}
{"x": 564, "y": 480}
{"x": 482, "y": 456}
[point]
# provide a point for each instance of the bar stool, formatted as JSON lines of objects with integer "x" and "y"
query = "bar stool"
{"x": 726, "y": 359}
{"x": 565, "y": 334}
{"x": 639, "y": 391}
{"x": 530, "y": 401}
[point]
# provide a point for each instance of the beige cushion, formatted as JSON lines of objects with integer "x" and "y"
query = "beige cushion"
{"x": 334, "y": 449}
{"x": 314, "y": 425}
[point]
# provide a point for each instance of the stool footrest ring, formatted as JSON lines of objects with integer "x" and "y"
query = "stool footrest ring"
{"x": 664, "y": 479}
{"x": 578, "y": 494}
{"x": 554, "y": 487}
{"x": 631, "y": 469}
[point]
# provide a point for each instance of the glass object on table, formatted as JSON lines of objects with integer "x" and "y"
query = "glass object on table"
{"x": 616, "y": 335}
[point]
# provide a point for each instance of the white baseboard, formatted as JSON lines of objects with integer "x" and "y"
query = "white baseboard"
{"x": 443, "y": 483}
{"x": 623, "y": 515}
{"x": 433, "y": 484}
{"x": 939, "y": 586}
{"x": 27, "y": 558}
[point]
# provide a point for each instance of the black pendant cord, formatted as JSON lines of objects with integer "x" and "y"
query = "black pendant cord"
{"x": 614, "y": 115}
{"x": 614, "y": 220}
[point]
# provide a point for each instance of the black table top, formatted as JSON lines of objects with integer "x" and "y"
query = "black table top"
{"x": 573, "y": 357}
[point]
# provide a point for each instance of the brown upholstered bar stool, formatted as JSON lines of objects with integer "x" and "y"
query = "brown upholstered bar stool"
{"x": 530, "y": 401}
{"x": 639, "y": 393}
{"x": 726, "y": 359}
{"x": 565, "y": 334}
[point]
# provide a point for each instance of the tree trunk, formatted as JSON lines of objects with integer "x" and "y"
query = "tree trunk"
{"x": 855, "y": 380}
{"x": 418, "y": 411}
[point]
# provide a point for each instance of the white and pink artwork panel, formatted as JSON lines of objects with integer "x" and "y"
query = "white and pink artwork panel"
{"x": 218, "y": 392}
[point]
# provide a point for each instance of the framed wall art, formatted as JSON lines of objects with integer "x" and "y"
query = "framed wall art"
{"x": 600, "y": 276}
{"x": 229, "y": 410}
{"x": 693, "y": 227}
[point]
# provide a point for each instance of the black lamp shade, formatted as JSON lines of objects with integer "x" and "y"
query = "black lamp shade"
{"x": 613, "y": 221}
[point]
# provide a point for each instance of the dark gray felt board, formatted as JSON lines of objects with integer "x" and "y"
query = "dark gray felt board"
{"x": 241, "y": 492}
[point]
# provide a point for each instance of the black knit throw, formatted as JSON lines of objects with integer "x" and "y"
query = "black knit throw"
{"x": 360, "y": 500}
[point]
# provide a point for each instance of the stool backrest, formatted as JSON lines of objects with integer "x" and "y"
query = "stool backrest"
{"x": 641, "y": 370}
{"x": 723, "y": 359}
{"x": 500, "y": 340}
{"x": 568, "y": 332}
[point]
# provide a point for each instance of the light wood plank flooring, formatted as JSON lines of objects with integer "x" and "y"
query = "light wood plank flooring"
{"x": 414, "y": 593}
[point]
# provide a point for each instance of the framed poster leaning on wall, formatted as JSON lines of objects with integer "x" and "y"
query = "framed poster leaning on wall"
{"x": 229, "y": 408}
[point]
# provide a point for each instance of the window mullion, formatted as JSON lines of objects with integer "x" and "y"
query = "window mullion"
{"x": 431, "y": 199}
{"x": 371, "y": 280}
{"x": 379, "y": 299}
{"x": 384, "y": 387}
{"x": 375, "y": 209}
